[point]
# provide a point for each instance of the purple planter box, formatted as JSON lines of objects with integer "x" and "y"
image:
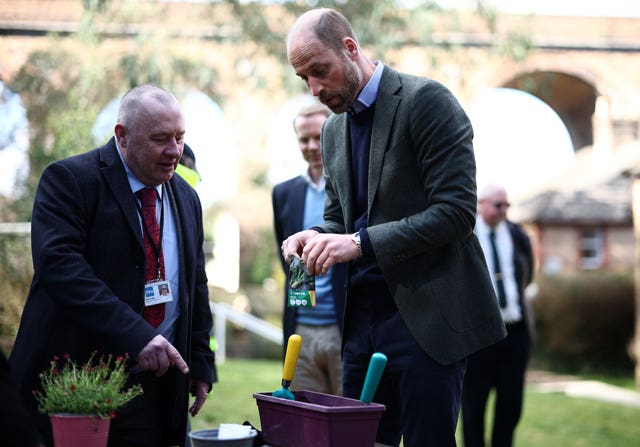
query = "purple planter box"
{"x": 318, "y": 420}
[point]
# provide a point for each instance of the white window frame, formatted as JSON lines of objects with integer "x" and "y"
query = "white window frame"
{"x": 591, "y": 241}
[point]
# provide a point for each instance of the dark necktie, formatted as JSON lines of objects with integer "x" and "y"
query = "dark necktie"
{"x": 154, "y": 264}
{"x": 502, "y": 297}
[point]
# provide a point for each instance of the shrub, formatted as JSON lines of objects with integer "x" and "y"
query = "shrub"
{"x": 15, "y": 276}
{"x": 585, "y": 321}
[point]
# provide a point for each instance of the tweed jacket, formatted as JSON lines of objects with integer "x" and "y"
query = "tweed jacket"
{"x": 421, "y": 213}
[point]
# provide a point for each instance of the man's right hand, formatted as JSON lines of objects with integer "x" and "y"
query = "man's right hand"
{"x": 158, "y": 355}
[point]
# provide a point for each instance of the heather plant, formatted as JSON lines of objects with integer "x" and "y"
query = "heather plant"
{"x": 96, "y": 387}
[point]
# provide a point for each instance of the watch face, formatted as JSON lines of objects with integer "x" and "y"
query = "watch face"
{"x": 355, "y": 237}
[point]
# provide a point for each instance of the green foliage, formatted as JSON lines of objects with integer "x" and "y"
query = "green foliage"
{"x": 64, "y": 87}
{"x": 380, "y": 25}
{"x": 61, "y": 109}
{"x": 263, "y": 259}
{"x": 150, "y": 63}
{"x": 585, "y": 322}
{"x": 516, "y": 46}
{"x": 15, "y": 275}
{"x": 298, "y": 277}
{"x": 96, "y": 387}
{"x": 95, "y": 5}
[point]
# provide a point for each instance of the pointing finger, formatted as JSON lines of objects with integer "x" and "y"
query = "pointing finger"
{"x": 176, "y": 359}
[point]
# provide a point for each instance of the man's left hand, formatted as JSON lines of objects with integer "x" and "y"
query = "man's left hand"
{"x": 200, "y": 391}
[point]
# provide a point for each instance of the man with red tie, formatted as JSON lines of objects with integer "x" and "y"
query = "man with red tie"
{"x": 117, "y": 243}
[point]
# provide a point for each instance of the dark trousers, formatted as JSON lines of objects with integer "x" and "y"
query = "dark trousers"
{"x": 422, "y": 397}
{"x": 501, "y": 366}
{"x": 144, "y": 421}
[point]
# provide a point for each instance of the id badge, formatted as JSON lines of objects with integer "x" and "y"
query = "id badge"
{"x": 157, "y": 292}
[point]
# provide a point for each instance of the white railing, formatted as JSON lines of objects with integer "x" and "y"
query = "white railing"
{"x": 15, "y": 228}
{"x": 224, "y": 312}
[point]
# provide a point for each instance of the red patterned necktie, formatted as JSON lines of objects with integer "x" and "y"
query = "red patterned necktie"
{"x": 153, "y": 314}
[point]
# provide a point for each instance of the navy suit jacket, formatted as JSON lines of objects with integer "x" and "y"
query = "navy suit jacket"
{"x": 522, "y": 266}
{"x": 87, "y": 289}
{"x": 421, "y": 213}
{"x": 288, "y": 200}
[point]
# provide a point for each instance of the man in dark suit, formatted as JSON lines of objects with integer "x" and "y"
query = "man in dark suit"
{"x": 298, "y": 203}
{"x": 401, "y": 201}
{"x": 94, "y": 255}
{"x": 501, "y": 366}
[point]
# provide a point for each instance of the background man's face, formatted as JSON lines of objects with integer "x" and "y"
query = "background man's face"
{"x": 493, "y": 208}
{"x": 308, "y": 130}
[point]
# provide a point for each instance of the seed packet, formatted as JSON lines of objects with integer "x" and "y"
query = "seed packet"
{"x": 302, "y": 287}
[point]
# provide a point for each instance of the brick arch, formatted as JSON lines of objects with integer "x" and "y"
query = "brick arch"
{"x": 568, "y": 84}
{"x": 570, "y": 96}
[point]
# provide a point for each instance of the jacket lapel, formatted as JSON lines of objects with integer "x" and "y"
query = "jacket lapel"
{"x": 298, "y": 196}
{"x": 116, "y": 178}
{"x": 386, "y": 105}
{"x": 342, "y": 160}
{"x": 184, "y": 264}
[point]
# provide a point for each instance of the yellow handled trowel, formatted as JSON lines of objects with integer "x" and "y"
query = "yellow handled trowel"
{"x": 290, "y": 359}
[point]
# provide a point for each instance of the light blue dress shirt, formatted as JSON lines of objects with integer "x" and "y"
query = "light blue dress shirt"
{"x": 169, "y": 252}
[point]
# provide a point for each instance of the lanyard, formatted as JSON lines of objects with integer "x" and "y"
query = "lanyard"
{"x": 157, "y": 249}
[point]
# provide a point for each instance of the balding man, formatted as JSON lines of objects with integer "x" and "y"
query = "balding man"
{"x": 119, "y": 269}
{"x": 400, "y": 209}
{"x": 502, "y": 366}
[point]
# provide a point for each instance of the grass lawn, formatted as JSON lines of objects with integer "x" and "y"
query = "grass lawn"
{"x": 549, "y": 419}
{"x": 231, "y": 400}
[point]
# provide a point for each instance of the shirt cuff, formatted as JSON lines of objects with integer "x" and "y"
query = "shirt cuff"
{"x": 365, "y": 243}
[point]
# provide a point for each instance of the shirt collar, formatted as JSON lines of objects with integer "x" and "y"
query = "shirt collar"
{"x": 483, "y": 230}
{"x": 369, "y": 93}
{"x": 317, "y": 186}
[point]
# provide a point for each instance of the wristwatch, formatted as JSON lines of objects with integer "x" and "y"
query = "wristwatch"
{"x": 355, "y": 237}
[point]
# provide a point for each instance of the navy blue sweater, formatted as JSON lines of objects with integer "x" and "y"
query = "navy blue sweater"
{"x": 365, "y": 276}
